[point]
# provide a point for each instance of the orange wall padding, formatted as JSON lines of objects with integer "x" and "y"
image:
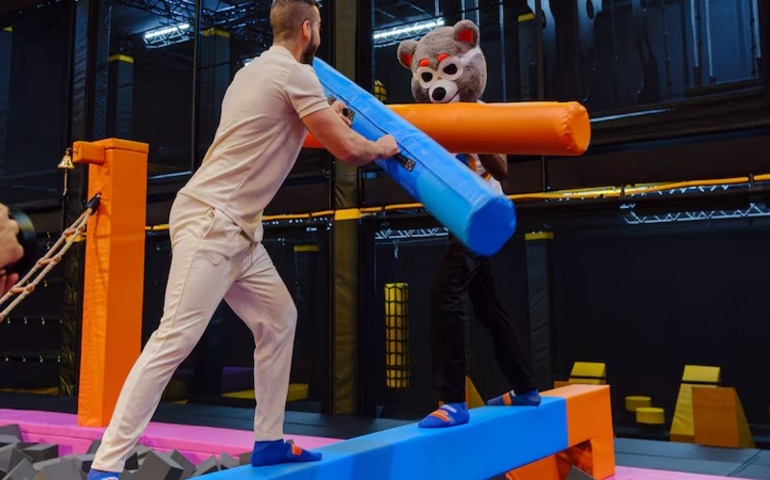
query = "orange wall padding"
{"x": 114, "y": 274}
{"x": 525, "y": 128}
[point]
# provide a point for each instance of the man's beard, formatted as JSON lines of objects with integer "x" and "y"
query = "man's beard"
{"x": 309, "y": 54}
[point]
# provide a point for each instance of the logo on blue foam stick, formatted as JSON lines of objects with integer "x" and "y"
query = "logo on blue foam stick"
{"x": 483, "y": 220}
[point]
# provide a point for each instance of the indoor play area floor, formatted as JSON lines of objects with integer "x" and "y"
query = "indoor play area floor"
{"x": 202, "y": 430}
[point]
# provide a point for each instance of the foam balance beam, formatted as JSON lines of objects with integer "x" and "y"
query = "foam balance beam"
{"x": 521, "y": 128}
{"x": 497, "y": 440}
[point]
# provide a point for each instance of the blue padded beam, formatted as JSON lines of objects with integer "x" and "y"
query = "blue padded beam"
{"x": 483, "y": 220}
{"x": 496, "y": 440}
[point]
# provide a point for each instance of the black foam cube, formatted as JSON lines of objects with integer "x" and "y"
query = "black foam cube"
{"x": 12, "y": 430}
{"x": 22, "y": 471}
{"x": 42, "y": 451}
{"x": 57, "y": 469}
{"x": 127, "y": 475}
{"x": 159, "y": 466}
{"x": 187, "y": 465}
{"x": 10, "y": 456}
{"x": 82, "y": 461}
{"x": 94, "y": 446}
{"x": 577, "y": 474}
{"x": 9, "y": 440}
{"x": 228, "y": 461}
{"x": 210, "y": 465}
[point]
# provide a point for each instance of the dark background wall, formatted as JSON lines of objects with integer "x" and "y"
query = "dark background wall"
{"x": 38, "y": 102}
{"x": 162, "y": 107}
{"x": 650, "y": 300}
{"x": 647, "y": 300}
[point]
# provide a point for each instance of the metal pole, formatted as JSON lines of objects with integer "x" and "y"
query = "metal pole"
{"x": 712, "y": 78}
{"x": 541, "y": 81}
{"x": 197, "y": 23}
{"x": 539, "y": 40}
{"x": 501, "y": 15}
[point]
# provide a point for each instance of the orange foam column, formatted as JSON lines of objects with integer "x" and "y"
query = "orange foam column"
{"x": 114, "y": 273}
{"x": 590, "y": 437}
{"x": 589, "y": 429}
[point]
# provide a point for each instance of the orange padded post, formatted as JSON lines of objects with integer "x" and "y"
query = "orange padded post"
{"x": 590, "y": 437}
{"x": 114, "y": 273}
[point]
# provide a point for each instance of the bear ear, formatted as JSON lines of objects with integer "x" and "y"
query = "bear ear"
{"x": 465, "y": 31}
{"x": 405, "y": 53}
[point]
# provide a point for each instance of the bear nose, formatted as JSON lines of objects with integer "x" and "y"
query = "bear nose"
{"x": 439, "y": 93}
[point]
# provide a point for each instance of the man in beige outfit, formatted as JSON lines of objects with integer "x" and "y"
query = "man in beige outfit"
{"x": 216, "y": 233}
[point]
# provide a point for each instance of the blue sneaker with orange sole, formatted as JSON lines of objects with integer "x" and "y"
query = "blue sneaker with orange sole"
{"x": 280, "y": 451}
{"x": 99, "y": 475}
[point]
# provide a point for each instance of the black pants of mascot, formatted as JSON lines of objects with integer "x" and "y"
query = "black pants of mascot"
{"x": 462, "y": 274}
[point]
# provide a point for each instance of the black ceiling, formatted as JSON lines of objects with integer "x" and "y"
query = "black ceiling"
{"x": 245, "y": 20}
{"x": 10, "y": 6}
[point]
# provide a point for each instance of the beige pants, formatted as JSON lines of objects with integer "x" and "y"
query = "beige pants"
{"x": 212, "y": 259}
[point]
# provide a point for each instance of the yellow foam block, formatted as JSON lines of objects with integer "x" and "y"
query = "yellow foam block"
{"x": 591, "y": 373}
{"x": 472, "y": 397}
{"x": 589, "y": 369}
{"x": 701, "y": 374}
{"x": 297, "y": 391}
{"x": 634, "y": 402}
{"x": 650, "y": 416}
{"x": 682, "y": 427}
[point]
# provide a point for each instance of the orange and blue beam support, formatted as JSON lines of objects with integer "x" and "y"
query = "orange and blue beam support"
{"x": 572, "y": 426}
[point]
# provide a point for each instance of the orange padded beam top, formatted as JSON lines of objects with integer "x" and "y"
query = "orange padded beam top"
{"x": 114, "y": 273}
{"x": 525, "y": 128}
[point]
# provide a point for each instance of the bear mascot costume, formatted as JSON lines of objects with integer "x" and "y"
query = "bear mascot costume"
{"x": 448, "y": 66}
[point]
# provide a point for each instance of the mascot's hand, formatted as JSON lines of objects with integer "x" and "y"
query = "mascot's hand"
{"x": 343, "y": 111}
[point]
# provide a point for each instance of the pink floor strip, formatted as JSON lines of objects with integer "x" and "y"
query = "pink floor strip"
{"x": 196, "y": 443}
{"x": 628, "y": 473}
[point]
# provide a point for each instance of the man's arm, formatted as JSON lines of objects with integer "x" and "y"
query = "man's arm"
{"x": 340, "y": 140}
{"x": 495, "y": 164}
{"x": 326, "y": 122}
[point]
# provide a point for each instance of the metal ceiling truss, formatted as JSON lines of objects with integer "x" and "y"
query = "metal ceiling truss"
{"x": 686, "y": 190}
{"x": 248, "y": 22}
{"x": 401, "y": 20}
{"x": 754, "y": 210}
{"x": 411, "y": 234}
{"x": 176, "y": 11}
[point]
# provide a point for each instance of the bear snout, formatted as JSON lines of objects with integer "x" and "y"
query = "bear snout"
{"x": 444, "y": 91}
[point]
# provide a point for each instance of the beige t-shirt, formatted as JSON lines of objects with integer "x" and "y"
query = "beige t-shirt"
{"x": 259, "y": 137}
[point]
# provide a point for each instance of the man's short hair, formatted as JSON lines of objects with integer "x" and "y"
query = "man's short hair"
{"x": 287, "y": 16}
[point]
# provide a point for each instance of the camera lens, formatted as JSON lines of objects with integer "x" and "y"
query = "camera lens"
{"x": 28, "y": 240}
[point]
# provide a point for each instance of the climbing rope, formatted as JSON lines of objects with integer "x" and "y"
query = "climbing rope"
{"x": 49, "y": 260}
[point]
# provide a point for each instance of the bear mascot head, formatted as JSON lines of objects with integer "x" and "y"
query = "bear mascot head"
{"x": 447, "y": 64}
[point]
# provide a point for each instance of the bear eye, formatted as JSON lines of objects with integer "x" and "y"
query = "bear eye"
{"x": 450, "y": 69}
{"x": 427, "y": 76}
